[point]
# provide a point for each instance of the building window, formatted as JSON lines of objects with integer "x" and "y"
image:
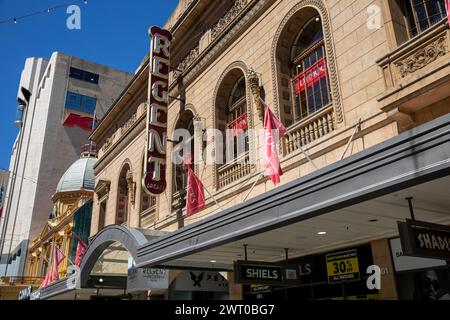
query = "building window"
{"x": 237, "y": 117}
{"x": 78, "y": 102}
{"x": 102, "y": 216}
{"x": 310, "y": 83}
{"x": 84, "y": 75}
{"x": 180, "y": 176}
{"x": 422, "y": 14}
{"x": 123, "y": 196}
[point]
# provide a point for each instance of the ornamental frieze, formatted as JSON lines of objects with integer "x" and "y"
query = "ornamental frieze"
{"x": 231, "y": 14}
{"x": 422, "y": 57}
{"x": 217, "y": 30}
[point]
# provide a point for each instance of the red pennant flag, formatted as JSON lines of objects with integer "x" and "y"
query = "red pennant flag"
{"x": 46, "y": 281}
{"x": 273, "y": 130}
{"x": 195, "y": 198}
{"x": 447, "y": 8}
{"x": 58, "y": 257}
{"x": 1, "y": 212}
{"x": 81, "y": 250}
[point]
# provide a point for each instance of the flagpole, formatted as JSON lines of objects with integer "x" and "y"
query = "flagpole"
{"x": 209, "y": 193}
{"x": 357, "y": 128}
{"x": 261, "y": 174}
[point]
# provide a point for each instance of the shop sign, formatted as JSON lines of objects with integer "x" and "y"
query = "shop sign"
{"x": 343, "y": 267}
{"x": 251, "y": 272}
{"x": 25, "y": 294}
{"x": 406, "y": 263}
{"x": 146, "y": 279}
{"x": 426, "y": 240}
{"x": 205, "y": 281}
{"x": 154, "y": 180}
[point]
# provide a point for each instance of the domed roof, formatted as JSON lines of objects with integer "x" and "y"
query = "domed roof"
{"x": 79, "y": 176}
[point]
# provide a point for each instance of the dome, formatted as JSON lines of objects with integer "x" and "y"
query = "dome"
{"x": 79, "y": 176}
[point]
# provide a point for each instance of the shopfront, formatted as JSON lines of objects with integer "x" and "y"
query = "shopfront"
{"x": 420, "y": 278}
{"x": 338, "y": 275}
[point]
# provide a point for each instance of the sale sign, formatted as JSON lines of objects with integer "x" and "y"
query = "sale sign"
{"x": 343, "y": 267}
{"x": 311, "y": 76}
{"x": 154, "y": 180}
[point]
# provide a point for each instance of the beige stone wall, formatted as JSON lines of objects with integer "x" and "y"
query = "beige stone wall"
{"x": 354, "y": 49}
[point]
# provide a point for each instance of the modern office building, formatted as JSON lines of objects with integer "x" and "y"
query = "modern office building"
{"x": 59, "y": 102}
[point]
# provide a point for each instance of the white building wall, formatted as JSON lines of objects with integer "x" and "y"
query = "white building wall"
{"x": 48, "y": 147}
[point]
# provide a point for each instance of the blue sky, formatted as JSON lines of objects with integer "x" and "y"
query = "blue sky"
{"x": 113, "y": 33}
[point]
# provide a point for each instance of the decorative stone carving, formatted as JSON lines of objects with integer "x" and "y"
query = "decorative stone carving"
{"x": 186, "y": 62}
{"x": 108, "y": 143}
{"x": 215, "y": 31}
{"x": 229, "y": 16}
{"x": 128, "y": 124}
{"x": 422, "y": 57}
{"x": 255, "y": 89}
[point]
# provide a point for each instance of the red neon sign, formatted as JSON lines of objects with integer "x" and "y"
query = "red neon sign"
{"x": 154, "y": 180}
{"x": 310, "y": 77}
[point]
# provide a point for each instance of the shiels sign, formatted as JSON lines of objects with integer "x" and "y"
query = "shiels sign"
{"x": 252, "y": 272}
{"x": 426, "y": 240}
{"x": 154, "y": 180}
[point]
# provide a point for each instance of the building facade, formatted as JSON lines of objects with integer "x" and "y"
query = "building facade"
{"x": 59, "y": 101}
{"x": 362, "y": 88}
{"x": 70, "y": 221}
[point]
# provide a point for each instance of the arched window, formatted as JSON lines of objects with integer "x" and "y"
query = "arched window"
{"x": 185, "y": 122}
{"x": 123, "y": 196}
{"x": 310, "y": 82}
{"x": 232, "y": 119}
{"x": 237, "y": 117}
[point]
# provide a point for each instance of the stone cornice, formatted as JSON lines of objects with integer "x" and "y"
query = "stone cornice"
{"x": 137, "y": 128}
{"x": 219, "y": 36}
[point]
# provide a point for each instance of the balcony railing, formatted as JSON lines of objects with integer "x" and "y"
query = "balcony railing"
{"x": 416, "y": 54}
{"x": 234, "y": 171}
{"x": 311, "y": 129}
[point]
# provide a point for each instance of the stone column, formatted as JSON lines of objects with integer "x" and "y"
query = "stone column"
{"x": 382, "y": 257}
{"x": 236, "y": 291}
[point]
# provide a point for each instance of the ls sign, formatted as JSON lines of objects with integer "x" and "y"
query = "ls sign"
{"x": 154, "y": 180}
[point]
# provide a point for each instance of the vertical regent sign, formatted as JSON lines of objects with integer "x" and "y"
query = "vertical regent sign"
{"x": 154, "y": 180}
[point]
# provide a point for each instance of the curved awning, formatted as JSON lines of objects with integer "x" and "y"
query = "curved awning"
{"x": 130, "y": 238}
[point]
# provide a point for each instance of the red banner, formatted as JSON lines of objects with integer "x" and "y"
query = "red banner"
{"x": 311, "y": 76}
{"x": 75, "y": 120}
{"x": 447, "y": 8}
{"x": 240, "y": 123}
